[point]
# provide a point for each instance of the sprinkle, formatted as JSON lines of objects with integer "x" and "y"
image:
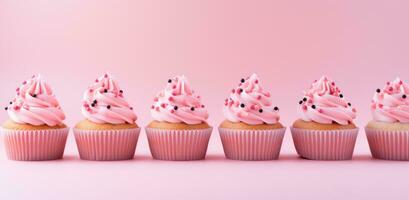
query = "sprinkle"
{"x": 95, "y": 101}
{"x": 106, "y": 75}
{"x": 276, "y": 108}
{"x": 175, "y": 107}
{"x": 172, "y": 111}
{"x": 242, "y": 105}
{"x": 404, "y": 96}
{"x": 91, "y": 90}
{"x": 11, "y": 102}
{"x": 242, "y": 80}
{"x": 96, "y": 80}
{"x": 6, "y": 108}
{"x": 304, "y": 99}
{"x": 163, "y": 105}
{"x": 341, "y": 96}
{"x": 256, "y": 81}
{"x": 174, "y": 87}
{"x": 260, "y": 111}
{"x": 378, "y": 90}
{"x": 24, "y": 82}
{"x": 155, "y": 99}
{"x": 203, "y": 106}
{"x": 170, "y": 81}
{"x": 233, "y": 90}
{"x": 105, "y": 90}
{"x": 109, "y": 106}
{"x": 34, "y": 95}
{"x": 192, "y": 109}
{"x": 170, "y": 99}
{"x": 300, "y": 102}
{"x": 157, "y": 108}
{"x": 313, "y": 106}
{"x": 92, "y": 105}
{"x": 349, "y": 104}
{"x": 131, "y": 108}
{"x": 121, "y": 91}
{"x": 240, "y": 90}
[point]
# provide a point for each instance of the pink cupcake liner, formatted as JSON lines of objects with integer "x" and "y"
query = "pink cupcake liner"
{"x": 35, "y": 145}
{"x": 325, "y": 145}
{"x": 388, "y": 145}
{"x": 178, "y": 145}
{"x": 106, "y": 145}
{"x": 252, "y": 144}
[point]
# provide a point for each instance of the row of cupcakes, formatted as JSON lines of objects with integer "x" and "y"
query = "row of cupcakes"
{"x": 179, "y": 131}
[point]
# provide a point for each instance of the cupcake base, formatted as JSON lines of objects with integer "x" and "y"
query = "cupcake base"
{"x": 325, "y": 144}
{"x": 388, "y": 144}
{"x": 178, "y": 145}
{"x": 252, "y": 144}
{"x": 106, "y": 145}
{"x": 35, "y": 145}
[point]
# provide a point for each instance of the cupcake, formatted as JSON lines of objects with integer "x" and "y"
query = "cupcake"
{"x": 35, "y": 130}
{"x": 326, "y": 130}
{"x": 179, "y": 130}
{"x": 252, "y": 130}
{"x": 388, "y": 132}
{"x": 109, "y": 131}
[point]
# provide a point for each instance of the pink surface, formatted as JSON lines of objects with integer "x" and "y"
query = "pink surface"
{"x": 360, "y": 44}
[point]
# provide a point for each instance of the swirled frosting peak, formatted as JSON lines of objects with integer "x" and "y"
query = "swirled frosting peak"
{"x": 35, "y": 104}
{"x": 391, "y": 104}
{"x": 250, "y": 104}
{"x": 104, "y": 102}
{"x": 324, "y": 103}
{"x": 178, "y": 103}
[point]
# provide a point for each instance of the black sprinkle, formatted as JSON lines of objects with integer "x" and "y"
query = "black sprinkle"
{"x": 34, "y": 95}
{"x": 378, "y": 90}
{"x": 95, "y": 101}
{"x": 241, "y": 90}
{"x": 261, "y": 110}
{"x": 276, "y": 108}
{"x": 192, "y": 109}
{"x": 300, "y": 102}
{"x": 304, "y": 99}
{"x": 349, "y": 104}
{"x": 242, "y": 105}
{"x": 404, "y": 96}
{"x": 313, "y": 106}
{"x": 109, "y": 106}
{"x": 176, "y": 108}
{"x": 6, "y": 108}
{"x": 170, "y": 81}
{"x": 121, "y": 91}
{"x": 92, "y": 104}
{"x": 342, "y": 96}
{"x": 131, "y": 108}
{"x": 242, "y": 80}
{"x": 11, "y": 102}
{"x": 105, "y": 90}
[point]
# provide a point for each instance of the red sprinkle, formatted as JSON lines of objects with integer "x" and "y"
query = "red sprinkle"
{"x": 157, "y": 108}
{"x": 170, "y": 99}
{"x": 96, "y": 80}
{"x": 259, "y": 97}
{"x": 172, "y": 111}
{"x": 155, "y": 99}
{"x": 152, "y": 107}
{"x": 24, "y": 82}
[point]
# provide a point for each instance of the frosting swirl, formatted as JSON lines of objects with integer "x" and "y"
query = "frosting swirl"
{"x": 35, "y": 104}
{"x": 391, "y": 104}
{"x": 250, "y": 104}
{"x": 178, "y": 103}
{"x": 324, "y": 103}
{"x": 103, "y": 102}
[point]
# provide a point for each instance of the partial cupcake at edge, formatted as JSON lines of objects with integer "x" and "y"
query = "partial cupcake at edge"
{"x": 388, "y": 132}
{"x": 35, "y": 130}
{"x": 109, "y": 131}
{"x": 325, "y": 130}
{"x": 179, "y": 130}
{"x": 252, "y": 130}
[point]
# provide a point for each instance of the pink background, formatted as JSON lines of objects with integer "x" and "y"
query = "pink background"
{"x": 361, "y": 44}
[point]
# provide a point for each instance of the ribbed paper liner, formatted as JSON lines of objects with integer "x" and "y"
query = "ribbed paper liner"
{"x": 325, "y": 145}
{"x": 178, "y": 144}
{"x": 106, "y": 145}
{"x": 35, "y": 145}
{"x": 252, "y": 144}
{"x": 388, "y": 145}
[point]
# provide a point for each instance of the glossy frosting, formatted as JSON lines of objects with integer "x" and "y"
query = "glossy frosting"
{"x": 35, "y": 104}
{"x": 391, "y": 104}
{"x": 250, "y": 104}
{"x": 103, "y": 102}
{"x": 324, "y": 103}
{"x": 178, "y": 103}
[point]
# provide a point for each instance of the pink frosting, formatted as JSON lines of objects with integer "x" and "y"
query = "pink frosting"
{"x": 250, "y": 104}
{"x": 35, "y": 104}
{"x": 178, "y": 103}
{"x": 324, "y": 103}
{"x": 104, "y": 103}
{"x": 391, "y": 104}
